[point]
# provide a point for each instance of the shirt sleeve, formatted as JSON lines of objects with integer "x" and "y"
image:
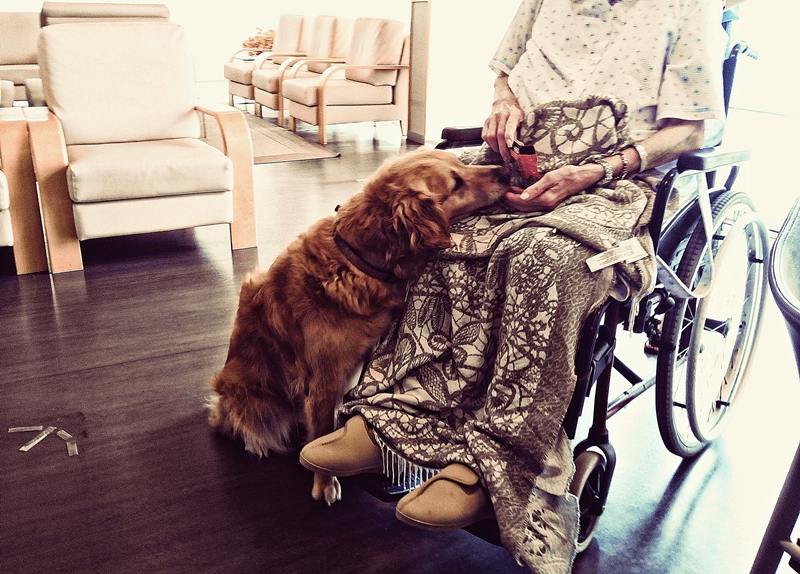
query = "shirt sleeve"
{"x": 691, "y": 87}
{"x": 516, "y": 37}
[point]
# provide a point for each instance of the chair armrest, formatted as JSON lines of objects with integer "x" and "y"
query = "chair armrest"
{"x": 460, "y": 136}
{"x": 49, "y": 153}
{"x": 238, "y": 146}
{"x": 265, "y": 56}
{"x": 709, "y": 159}
{"x": 337, "y": 67}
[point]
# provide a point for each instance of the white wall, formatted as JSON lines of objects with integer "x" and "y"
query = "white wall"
{"x": 464, "y": 36}
{"x": 769, "y": 85}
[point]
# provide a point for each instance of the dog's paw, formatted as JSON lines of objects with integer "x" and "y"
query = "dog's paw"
{"x": 326, "y": 488}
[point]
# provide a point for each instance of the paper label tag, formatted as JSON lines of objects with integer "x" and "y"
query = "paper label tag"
{"x": 628, "y": 251}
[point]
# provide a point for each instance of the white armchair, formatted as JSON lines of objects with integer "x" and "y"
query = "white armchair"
{"x": 374, "y": 86}
{"x": 118, "y": 152}
{"x": 329, "y": 43}
{"x": 291, "y": 39}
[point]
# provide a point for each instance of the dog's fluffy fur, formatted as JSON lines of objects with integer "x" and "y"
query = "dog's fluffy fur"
{"x": 304, "y": 326}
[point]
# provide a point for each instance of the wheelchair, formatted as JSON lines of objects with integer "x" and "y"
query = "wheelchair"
{"x": 704, "y": 344}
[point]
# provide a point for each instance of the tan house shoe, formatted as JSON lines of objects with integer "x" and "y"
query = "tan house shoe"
{"x": 452, "y": 499}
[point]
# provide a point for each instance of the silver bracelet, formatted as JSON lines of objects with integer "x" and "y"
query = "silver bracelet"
{"x": 609, "y": 171}
{"x": 642, "y": 156}
{"x": 624, "y": 173}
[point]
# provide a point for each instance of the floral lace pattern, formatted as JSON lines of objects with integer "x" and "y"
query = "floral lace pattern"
{"x": 480, "y": 367}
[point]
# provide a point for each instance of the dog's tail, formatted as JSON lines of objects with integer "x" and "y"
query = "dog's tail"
{"x": 265, "y": 423}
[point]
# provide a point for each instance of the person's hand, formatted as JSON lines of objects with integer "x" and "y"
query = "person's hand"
{"x": 500, "y": 128}
{"x": 554, "y": 187}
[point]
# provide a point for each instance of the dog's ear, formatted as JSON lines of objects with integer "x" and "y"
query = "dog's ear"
{"x": 418, "y": 215}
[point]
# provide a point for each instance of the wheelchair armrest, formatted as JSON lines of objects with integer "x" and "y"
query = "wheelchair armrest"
{"x": 460, "y": 136}
{"x": 709, "y": 159}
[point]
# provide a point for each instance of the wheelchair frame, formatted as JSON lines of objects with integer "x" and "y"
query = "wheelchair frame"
{"x": 595, "y": 458}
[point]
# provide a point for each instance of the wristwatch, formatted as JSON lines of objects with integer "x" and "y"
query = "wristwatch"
{"x": 609, "y": 175}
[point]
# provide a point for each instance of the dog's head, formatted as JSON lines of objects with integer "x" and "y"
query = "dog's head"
{"x": 408, "y": 204}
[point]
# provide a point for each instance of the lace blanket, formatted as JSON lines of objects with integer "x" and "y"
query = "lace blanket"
{"x": 480, "y": 368}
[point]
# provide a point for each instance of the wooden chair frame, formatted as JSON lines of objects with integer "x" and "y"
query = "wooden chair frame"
{"x": 30, "y": 255}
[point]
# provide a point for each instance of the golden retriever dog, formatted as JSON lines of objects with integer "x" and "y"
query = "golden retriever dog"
{"x": 304, "y": 326}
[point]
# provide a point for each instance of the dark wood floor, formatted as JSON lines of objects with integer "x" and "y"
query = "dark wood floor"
{"x": 119, "y": 356}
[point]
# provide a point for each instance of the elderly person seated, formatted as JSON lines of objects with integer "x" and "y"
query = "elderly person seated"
{"x": 474, "y": 379}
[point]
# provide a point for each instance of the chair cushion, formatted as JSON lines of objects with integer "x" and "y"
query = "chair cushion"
{"x": 146, "y": 169}
{"x": 339, "y": 92}
{"x": 323, "y": 41}
{"x": 150, "y": 215}
{"x": 120, "y": 81}
{"x": 375, "y": 41}
{"x": 6, "y": 93}
{"x": 267, "y": 78}
{"x": 6, "y": 233}
{"x": 239, "y": 71}
{"x": 20, "y": 31}
{"x": 4, "y": 197}
{"x": 287, "y": 36}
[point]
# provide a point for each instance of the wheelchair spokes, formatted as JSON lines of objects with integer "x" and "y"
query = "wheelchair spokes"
{"x": 707, "y": 344}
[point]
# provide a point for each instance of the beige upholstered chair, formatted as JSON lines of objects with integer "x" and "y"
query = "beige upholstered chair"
{"x": 118, "y": 152}
{"x": 329, "y": 42}
{"x": 72, "y": 12}
{"x": 18, "y": 34}
{"x": 374, "y": 86}
{"x": 291, "y": 39}
{"x": 20, "y": 223}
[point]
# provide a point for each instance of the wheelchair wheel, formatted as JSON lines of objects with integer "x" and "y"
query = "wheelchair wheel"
{"x": 590, "y": 467}
{"x": 706, "y": 344}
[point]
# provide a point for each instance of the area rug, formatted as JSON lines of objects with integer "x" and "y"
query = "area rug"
{"x": 271, "y": 144}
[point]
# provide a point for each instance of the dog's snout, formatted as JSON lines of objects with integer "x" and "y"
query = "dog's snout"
{"x": 502, "y": 174}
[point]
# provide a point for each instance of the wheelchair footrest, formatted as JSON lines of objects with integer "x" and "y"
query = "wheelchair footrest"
{"x": 380, "y": 486}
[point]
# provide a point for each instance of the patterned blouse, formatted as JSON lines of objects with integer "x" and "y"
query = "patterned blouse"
{"x": 661, "y": 57}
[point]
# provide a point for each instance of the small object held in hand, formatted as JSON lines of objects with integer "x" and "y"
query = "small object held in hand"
{"x": 525, "y": 156}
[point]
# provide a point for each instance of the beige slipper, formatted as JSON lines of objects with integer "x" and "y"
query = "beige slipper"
{"x": 451, "y": 500}
{"x": 344, "y": 452}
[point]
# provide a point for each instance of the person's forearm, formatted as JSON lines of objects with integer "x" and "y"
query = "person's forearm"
{"x": 501, "y": 89}
{"x": 664, "y": 146}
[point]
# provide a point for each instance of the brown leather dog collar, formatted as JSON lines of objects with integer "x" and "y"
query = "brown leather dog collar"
{"x": 355, "y": 258}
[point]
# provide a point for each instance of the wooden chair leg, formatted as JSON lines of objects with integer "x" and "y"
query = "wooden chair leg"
{"x": 26, "y": 223}
{"x": 257, "y": 109}
{"x": 322, "y": 131}
{"x": 50, "y": 165}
